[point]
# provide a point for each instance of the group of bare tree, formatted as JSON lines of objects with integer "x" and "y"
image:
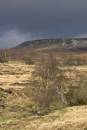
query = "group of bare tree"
{"x": 47, "y": 82}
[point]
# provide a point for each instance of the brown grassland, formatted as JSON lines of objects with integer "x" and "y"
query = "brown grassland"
{"x": 16, "y": 106}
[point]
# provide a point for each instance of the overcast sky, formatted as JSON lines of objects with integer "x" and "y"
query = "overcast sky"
{"x": 22, "y": 20}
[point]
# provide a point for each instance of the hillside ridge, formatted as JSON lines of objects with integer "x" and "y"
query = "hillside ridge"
{"x": 71, "y": 44}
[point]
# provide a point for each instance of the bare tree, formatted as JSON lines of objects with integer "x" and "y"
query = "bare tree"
{"x": 4, "y": 56}
{"x": 47, "y": 83}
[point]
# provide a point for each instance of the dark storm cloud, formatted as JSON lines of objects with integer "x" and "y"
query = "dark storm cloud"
{"x": 44, "y": 18}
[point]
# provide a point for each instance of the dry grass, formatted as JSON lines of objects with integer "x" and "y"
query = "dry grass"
{"x": 74, "y": 118}
{"x": 16, "y": 116}
{"x": 14, "y": 75}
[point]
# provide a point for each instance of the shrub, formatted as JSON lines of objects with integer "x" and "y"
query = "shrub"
{"x": 77, "y": 95}
{"x": 2, "y": 98}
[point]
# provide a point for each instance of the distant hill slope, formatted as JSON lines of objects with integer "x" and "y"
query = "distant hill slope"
{"x": 79, "y": 44}
{"x": 59, "y": 47}
{"x": 41, "y": 43}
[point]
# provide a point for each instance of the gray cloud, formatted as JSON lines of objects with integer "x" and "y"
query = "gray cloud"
{"x": 44, "y": 18}
{"x": 13, "y": 37}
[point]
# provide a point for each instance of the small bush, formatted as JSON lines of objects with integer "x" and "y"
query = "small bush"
{"x": 2, "y": 98}
{"x": 77, "y": 95}
{"x": 85, "y": 128}
{"x": 29, "y": 61}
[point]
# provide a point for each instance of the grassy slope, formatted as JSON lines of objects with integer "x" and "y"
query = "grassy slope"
{"x": 74, "y": 118}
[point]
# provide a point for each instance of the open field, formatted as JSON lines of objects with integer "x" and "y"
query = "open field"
{"x": 17, "y": 116}
{"x": 14, "y": 75}
{"x": 17, "y": 74}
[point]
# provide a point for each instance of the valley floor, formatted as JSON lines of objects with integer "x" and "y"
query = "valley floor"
{"x": 16, "y": 76}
